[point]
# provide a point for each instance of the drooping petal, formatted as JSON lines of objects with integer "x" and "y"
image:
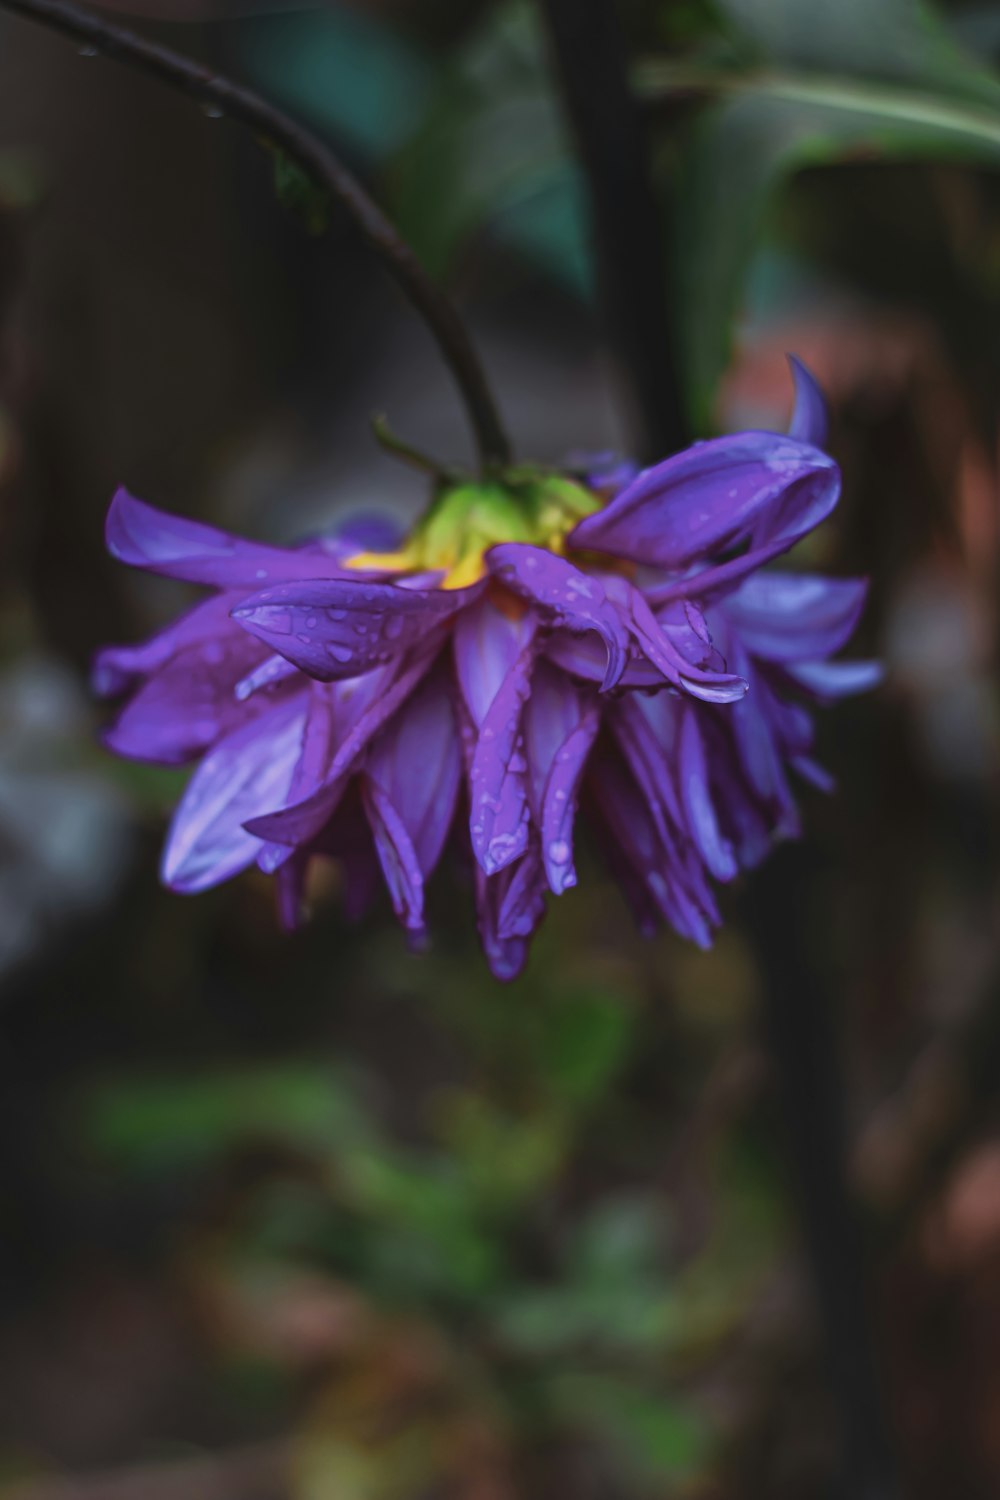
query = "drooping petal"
{"x": 397, "y": 856}
{"x": 246, "y": 773}
{"x": 561, "y": 724}
{"x": 360, "y": 709}
{"x": 655, "y": 863}
{"x": 487, "y": 643}
{"x": 118, "y": 668}
{"x": 577, "y": 601}
{"x": 751, "y": 486}
{"x": 662, "y": 641}
{"x": 189, "y": 703}
{"x": 509, "y": 907}
{"x": 836, "y": 679}
{"x": 344, "y": 627}
{"x": 792, "y": 617}
{"x": 144, "y": 537}
{"x": 499, "y": 817}
{"x": 810, "y": 419}
{"x": 416, "y": 763}
{"x": 696, "y": 796}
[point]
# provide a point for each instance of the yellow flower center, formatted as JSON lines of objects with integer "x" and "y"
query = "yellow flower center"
{"x": 465, "y": 521}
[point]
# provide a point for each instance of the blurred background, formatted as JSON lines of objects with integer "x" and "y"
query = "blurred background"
{"x": 316, "y": 1219}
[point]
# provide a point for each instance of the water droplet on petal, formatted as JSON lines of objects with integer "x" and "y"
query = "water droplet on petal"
{"x": 559, "y": 852}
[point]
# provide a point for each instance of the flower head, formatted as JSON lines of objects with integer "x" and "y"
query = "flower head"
{"x": 537, "y": 645}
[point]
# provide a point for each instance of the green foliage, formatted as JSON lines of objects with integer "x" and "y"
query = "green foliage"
{"x": 492, "y": 154}
{"x": 807, "y": 86}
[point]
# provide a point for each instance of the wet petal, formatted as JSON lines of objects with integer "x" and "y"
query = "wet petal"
{"x": 359, "y": 709}
{"x": 416, "y": 763}
{"x": 144, "y": 537}
{"x": 247, "y": 772}
{"x": 397, "y": 856}
{"x": 561, "y": 724}
{"x": 342, "y": 628}
{"x": 499, "y": 817}
{"x": 188, "y": 704}
{"x": 487, "y": 644}
{"x": 752, "y": 486}
{"x": 662, "y": 642}
{"x": 118, "y": 668}
{"x": 570, "y": 598}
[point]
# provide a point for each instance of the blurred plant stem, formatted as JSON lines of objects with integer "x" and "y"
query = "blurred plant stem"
{"x": 219, "y": 95}
{"x": 803, "y": 1041}
{"x": 589, "y": 53}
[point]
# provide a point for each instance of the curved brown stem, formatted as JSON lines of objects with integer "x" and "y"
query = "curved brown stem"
{"x": 222, "y": 95}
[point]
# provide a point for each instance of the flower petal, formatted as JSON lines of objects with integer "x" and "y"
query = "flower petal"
{"x": 791, "y": 617}
{"x": 344, "y": 627}
{"x": 810, "y": 419}
{"x": 752, "y": 486}
{"x": 499, "y": 817}
{"x": 397, "y": 856}
{"x": 188, "y": 704}
{"x": 118, "y": 668}
{"x": 660, "y": 639}
{"x": 561, "y": 724}
{"x": 696, "y": 795}
{"x": 247, "y": 772}
{"x": 487, "y": 644}
{"x": 416, "y": 763}
{"x": 144, "y": 537}
{"x": 359, "y": 709}
{"x": 577, "y": 601}
{"x": 836, "y": 679}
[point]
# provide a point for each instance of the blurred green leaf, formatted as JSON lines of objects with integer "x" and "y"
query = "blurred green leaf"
{"x": 345, "y": 70}
{"x": 492, "y": 156}
{"x": 154, "y": 1124}
{"x": 891, "y": 83}
{"x": 22, "y": 179}
{"x": 656, "y": 1432}
{"x": 767, "y": 128}
{"x": 903, "y": 41}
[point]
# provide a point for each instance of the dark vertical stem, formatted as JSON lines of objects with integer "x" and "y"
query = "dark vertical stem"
{"x": 803, "y": 1040}
{"x": 589, "y": 51}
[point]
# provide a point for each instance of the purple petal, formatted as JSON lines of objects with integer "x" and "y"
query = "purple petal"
{"x": 696, "y": 795}
{"x": 360, "y": 710}
{"x": 397, "y": 856}
{"x": 143, "y": 537}
{"x": 837, "y": 679}
{"x": 622, "y": 807}
{"x": 755, "y": 486}
{"x": 118, "y": 668}
{"x": 498, "y": 794}
{"x": 810, "y": 419}
{"x": 487, "y": 644}
{"x": 574, "y": 600}
{"x": 416, "y": 763}
{"x": 509, "y": 907}
{"x": 561, "y": 724}
{"x": 792, "y": 617}
{"x": 247, "y": 772}
{"x": 344, "y": 627}
{"x": 659, "y": 640}
{"x": 188, "y": 704}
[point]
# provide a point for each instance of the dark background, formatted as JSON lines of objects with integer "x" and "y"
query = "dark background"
{"x": 315, "y": 1218}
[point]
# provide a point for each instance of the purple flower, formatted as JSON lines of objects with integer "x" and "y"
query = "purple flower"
{"x": 528, "y": 651}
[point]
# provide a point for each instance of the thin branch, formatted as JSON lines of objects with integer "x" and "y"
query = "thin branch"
{"x": 222, "y": 96}
{"x": 589, "y": 52}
